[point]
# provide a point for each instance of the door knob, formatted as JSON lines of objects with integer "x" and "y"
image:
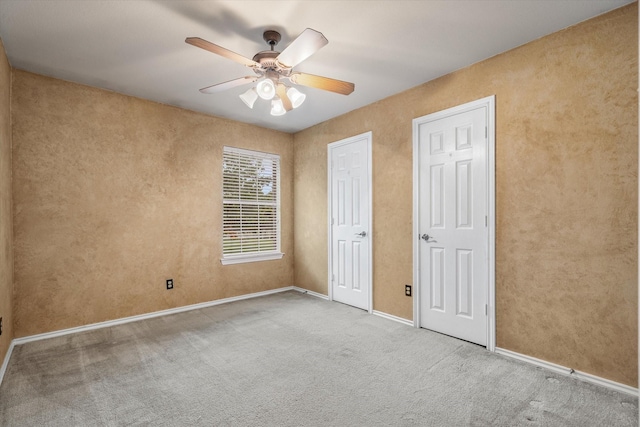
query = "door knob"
{"x": 427, "y": 238}
{"x": 361, "y": 234}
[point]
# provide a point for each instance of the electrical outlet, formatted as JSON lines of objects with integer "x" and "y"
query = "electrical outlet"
{"x": 169, "y": 283}
{"x": 407, "y": 290}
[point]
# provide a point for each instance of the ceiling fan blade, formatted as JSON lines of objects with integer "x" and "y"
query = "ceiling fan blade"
{"x": 324, "y": 83}
{"x": 281, "y": 91}
{"x": 305, "y": 45}
{"x": 219, "y": 50}
{"x": 228, "y": 85}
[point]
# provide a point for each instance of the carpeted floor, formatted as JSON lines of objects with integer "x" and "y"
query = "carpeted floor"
{"x": 288, "y": 359}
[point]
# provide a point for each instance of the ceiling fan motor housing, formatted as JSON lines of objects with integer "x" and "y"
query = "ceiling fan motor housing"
{"x": 267, "y": 59}
{"x": 269, "y": 65}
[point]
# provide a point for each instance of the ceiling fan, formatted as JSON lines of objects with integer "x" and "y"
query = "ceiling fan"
{"x": 273, "y": 69}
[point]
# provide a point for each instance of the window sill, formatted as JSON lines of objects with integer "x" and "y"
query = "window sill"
{"x": 240, "y": 259}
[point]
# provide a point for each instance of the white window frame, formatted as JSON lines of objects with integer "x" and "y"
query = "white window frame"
{"x": 253, "y": 256}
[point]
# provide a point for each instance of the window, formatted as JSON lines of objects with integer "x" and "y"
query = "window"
{"x": 251, "y": 206}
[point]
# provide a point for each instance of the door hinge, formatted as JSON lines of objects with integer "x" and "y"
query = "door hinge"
{"x": 333, "y": 221}
{"x": 486, "y": 132}
{"x": 486, "y": 221}
{"x": 333, "y": 277}
{"x": 486, "y": 309}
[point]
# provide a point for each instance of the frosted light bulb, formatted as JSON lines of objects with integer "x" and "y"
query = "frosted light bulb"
{"x": 277, "y": 109}
{"x": 266, "y": 89}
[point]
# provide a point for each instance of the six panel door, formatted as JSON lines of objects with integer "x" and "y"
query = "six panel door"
{"x": 453, "y": 225}
{"x": 350, "y": 223}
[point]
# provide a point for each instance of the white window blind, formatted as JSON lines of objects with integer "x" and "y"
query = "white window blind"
{"x": 251, "y": 206}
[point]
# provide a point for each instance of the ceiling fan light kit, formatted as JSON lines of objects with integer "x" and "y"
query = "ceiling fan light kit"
{"x": 272, "y": 68}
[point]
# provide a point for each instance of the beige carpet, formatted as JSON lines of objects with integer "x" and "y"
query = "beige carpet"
{"x": 288, "y": 360}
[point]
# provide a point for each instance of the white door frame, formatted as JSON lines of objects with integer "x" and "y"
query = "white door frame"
{"x": 488, "y": 102}
{"x": 330, "y": 147}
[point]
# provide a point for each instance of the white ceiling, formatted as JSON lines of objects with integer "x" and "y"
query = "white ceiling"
{"x": 384, "y": 47}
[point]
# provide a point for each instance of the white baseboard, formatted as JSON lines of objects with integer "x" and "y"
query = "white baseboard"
{"x": 603, "y": 382}
{"x": 394, "y": 318}
{"x": 306, "y": 291}
{"x": 5, "y": 363}
{"x": 130, "y": 319}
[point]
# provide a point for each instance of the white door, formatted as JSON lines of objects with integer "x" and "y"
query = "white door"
{"x": 350, "y": 222}
{"x": 453, "y": 219}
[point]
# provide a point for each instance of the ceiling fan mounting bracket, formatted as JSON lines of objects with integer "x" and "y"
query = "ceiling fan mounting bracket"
{"x": 272, "y": 38}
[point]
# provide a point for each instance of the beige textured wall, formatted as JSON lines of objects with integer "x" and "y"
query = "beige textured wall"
{"x": 113, "y": 195}
{"x": 6, "y": 222}
{"x": 566, "y": 171}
